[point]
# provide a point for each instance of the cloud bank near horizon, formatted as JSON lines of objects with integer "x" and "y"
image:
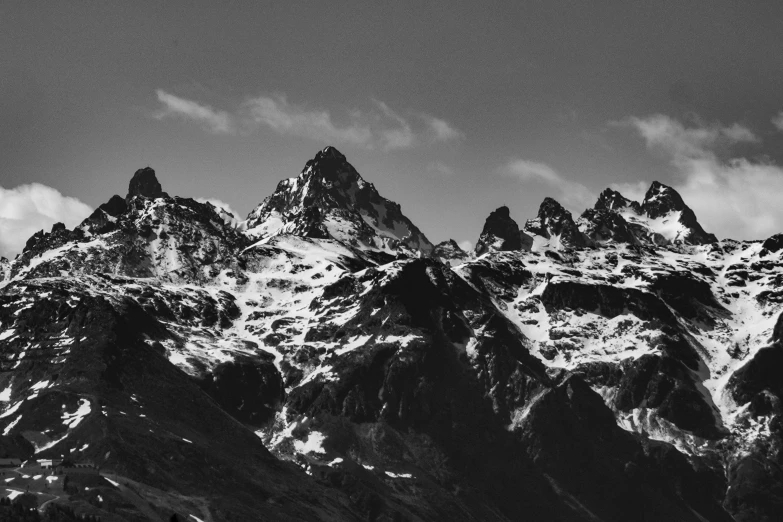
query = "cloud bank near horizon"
{"x": 26, "y": 209}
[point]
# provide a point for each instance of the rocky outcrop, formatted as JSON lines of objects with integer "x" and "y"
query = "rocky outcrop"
{"x": 662, "y": 200}
{"x": 555, "y": 223}
{"x": 612, "y": 200}
{"x": 450, "y": 252}
{"x": 604, "y": 225}
{"x": 501, "y": 233}
{"x": 145, "y": 183}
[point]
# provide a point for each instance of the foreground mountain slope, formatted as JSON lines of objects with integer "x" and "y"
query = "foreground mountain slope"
{"x": 326, "y": 362}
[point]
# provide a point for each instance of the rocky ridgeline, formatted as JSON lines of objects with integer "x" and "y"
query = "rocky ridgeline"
{"x": 324, "y": 361}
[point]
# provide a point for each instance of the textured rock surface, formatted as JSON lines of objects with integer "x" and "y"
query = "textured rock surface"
{"x": 145, "y": 183}
{"x": 501, "y": 233}
{"x": 329, "y": 199}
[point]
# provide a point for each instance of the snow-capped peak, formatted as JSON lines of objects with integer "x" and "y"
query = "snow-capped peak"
{"x": 330, "y": 199}
{"x": 555, "y": 224}
{"x": 661, "y": 218}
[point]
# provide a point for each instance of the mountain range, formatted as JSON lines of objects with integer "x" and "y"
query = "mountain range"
{"x": 324, "y": 360}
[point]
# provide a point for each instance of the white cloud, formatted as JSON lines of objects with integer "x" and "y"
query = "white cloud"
{"x": 441, "y": 130}
{"x": 777, "y": 121}
{"x": 438, "y": 167}
{"x": 736, "y": 197}
{"x": 26, "y": 209}
{"x": 634, "y": 191}
{"x": 220, "y": 204}
{"x": 465, "y": 245}
{"x": 398, "y": 136}
{"x": 696, "y": 141}
{"x": 218, "y": 122}
{"x": 286, "y": 118}
{"x": 378, "y": 127}
{"x": 571, "y": 194}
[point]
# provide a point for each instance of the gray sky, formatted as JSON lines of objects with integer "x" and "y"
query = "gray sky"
{"x": 450, "y": 108}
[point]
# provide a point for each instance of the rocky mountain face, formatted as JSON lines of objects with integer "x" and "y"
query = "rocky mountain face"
{"x": 555, "y": 224}
{"x": 662, "y": 218}
{"x": 329, "y": 199}
{"x": 324, "y": 361}
{"x": 501, "y": 233}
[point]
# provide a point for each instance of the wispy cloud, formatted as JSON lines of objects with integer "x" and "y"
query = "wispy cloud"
{"x": 283, "y": 117}
{"x": 441, "y": 130}
{"x": 399, "y": 134}
{"x": 218, "y": 122}
{"x": 438, "y": 167}
{"x": 26, "y": 209}
{"x": 777, "y": 121}
{"x": 733, "y": 197}
{"x": 221, "y": 205}
{"x": 570, "y": 193}
{"x": 376, "y": 127}
{"x": 698, "y": 140}
{"x": 465, "y": 245}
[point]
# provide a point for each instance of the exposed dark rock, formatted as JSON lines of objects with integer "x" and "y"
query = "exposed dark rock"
{"x": 661, "y": 200}
{"x": 612, "y": 200}
{"x": 250, "y": 390}
{"x": 115, "y": 206}
{"x": 609, "y": 301}
{"x": 652, "y": 381}
{"x": 501, "y": 233}
{"x": 555, "y": 221}
{"x": 772, "y": 244}
{"x": 450, "y": 252}
{"x": 145, "y": 183}
{"x": 604, "y": 225}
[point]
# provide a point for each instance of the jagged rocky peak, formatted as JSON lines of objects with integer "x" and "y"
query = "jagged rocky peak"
{"x": 660, "y": 200}
{"x": 662, "y": 218}
{"x": 612, "y": 200}
{"x": 501, "y": 233}
{"x": 145, "y": 183}
{"x": 115, "y": 206}
{"x": 450, "y": 253}
{"x": 330, "y": 199}
{"x": 555, "y": 223}
{"x": 601, "y": 224}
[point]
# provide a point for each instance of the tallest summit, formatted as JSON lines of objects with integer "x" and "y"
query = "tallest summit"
{"x": 331, "y": 200}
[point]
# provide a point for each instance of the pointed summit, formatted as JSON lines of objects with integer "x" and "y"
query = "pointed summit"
{"x": 555, "y": 222}
{"x": 501, "y": 233}
{"x": 329, "y": 152}
{"x": 330, "y": 199}
{"x": 145, "y": 183}
{"x": 612, "y": 200}
{"x": 662, "y": 218}
{"x": 664, "y": 204}
{"x": 661, "y": 199}
{"x": 450, "y": 253}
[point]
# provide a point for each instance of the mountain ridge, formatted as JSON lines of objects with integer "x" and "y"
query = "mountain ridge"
{"x": 575, "y": 369}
